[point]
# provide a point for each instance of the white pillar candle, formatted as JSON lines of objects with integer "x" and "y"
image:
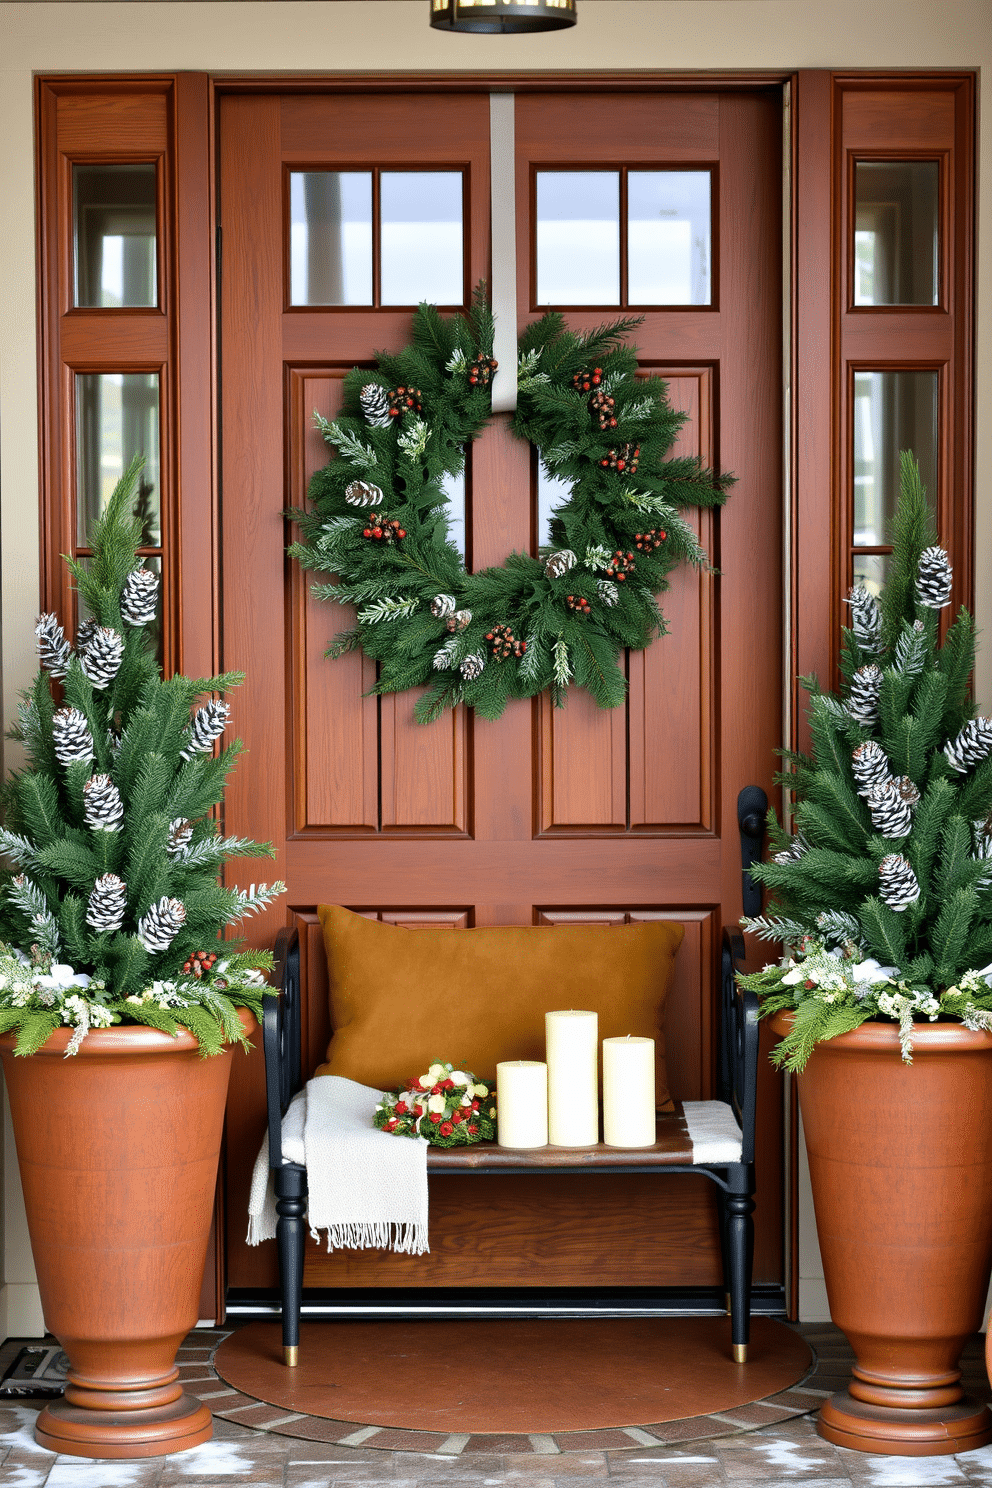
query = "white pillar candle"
{"x": 522, "y": 1103}
{"x": 572, "y": 1040}
{"x": 628, "y": 1092}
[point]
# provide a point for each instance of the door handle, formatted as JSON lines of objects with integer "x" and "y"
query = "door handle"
{"x": 752, "y": 806}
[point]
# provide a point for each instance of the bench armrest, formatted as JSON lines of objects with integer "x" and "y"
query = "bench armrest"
{"x": 739, "y": 1014}
{"x": 281, "y": 1030}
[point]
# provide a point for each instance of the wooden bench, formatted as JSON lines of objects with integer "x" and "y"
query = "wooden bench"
{"x": 671, "y": 1154}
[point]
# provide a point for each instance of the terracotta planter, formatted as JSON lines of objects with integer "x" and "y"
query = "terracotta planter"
{"x": 900, "y": 1161}
{"x": 118, "y": 1149}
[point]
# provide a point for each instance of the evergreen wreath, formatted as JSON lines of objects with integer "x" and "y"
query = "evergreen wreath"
{"x": 112, "y": 893}
{"x": 379, "y": 517}
{"x": 883, "y": 895}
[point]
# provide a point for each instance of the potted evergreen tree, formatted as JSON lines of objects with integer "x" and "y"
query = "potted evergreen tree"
{"x": 883, "y": 900}
{"x": 113, "y": 981}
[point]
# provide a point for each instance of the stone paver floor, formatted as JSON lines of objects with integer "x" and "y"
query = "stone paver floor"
{"x": 768, "y": 1456}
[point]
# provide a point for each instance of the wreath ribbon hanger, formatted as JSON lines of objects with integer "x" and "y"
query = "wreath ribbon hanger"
{"x": 377, "y": 522}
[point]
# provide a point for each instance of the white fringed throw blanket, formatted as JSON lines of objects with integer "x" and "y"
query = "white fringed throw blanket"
{"x": 366, "y": 1188}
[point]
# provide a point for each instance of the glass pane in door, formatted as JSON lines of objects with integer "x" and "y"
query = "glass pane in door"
{"x": 668, "y": 238}
{"x": 421, "y": 237}
{"x": 896, "y": 236}
{"x": 117, "y": 417}
{"x": 578, "y": 237}
{"x": 893, "y": 411}
{"x": 114, "y": 249}
{"x": 330, "y": 258}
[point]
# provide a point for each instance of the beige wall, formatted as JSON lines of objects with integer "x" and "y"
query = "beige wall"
{"x": 346, "y": 35}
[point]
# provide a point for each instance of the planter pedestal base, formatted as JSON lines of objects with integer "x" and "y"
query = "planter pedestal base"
{"x": 961, "y": 1427}
{"x": 127, "y": 1433}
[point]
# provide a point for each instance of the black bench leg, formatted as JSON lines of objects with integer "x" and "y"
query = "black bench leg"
{"x": 740, "y": 1250}
{"x": 291, "y": 1190}
{"x": 721, "y": 1210}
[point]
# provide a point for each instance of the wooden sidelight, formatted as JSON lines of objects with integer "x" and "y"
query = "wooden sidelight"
{"x": 544, "y": 816}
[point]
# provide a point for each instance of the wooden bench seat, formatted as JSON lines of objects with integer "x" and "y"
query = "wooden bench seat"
{"x": 674, "y": 1151}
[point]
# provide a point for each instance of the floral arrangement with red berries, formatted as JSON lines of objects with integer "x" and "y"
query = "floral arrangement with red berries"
{"x": 447, "y": 1106}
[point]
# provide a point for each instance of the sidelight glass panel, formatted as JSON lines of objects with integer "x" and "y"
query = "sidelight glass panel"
{"x": 893, "y": 411}
{"x": 117, "y": 417}
{"x": 869, "y": 571}
{"x": 896, "y": 233}
{"x": 330, "y": 237}
{"x": 668, "y": 238}
{"x": 422, "y": 237}
{"x": 578, "y": 238}
{"x": 113, "y": 211}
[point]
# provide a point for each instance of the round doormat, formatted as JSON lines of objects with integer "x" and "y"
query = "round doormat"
{"x": 527, "y": 1376}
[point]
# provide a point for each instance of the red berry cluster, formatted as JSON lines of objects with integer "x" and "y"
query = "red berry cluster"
{"x": 619, "y": 566}
{"x": 384, "y": 529}
{"x": 480, "y": 371}
{"x": 503, "y": 643}
{"x": 199, "y": 962}
{"x": 405, "y": 400}
{"x": 584, "y": 382}
{"x": 603, "y": 406}
{"x": 623, "y": 458}
{"x": 577, "y": 603}
{"x": 646, "y": 542}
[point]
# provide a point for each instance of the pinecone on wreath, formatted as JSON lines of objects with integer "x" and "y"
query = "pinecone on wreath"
{"x": 375, "y": 405}
{"x": 362, "y": 493}
{"x": 559, "y": 563}
{"x": 898, "y": 759}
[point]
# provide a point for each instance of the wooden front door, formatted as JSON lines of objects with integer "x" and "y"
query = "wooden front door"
{"x": 544, "y": 816}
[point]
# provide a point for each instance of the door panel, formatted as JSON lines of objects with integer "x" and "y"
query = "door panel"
{"x": 545, "y": 815}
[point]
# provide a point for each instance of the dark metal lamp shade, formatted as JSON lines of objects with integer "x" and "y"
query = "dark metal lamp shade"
{"x": 493, "y": 16}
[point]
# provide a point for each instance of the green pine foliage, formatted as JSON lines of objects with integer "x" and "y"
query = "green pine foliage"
{"x": 107, "y": 914}
{"x": 397, "y": 585}
{"x": 887, "y": 912}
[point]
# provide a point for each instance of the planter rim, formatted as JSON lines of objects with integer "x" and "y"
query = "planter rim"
{"x": 124, "y": 1039}
{"x": 883, "y": 1038}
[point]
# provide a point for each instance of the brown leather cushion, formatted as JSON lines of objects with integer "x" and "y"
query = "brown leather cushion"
{"x": 401, "y": 999}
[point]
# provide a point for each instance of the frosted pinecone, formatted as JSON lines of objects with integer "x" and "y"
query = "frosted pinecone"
{"x": 459, "y": 620}
{"x": 869, "y": 766}
{"x": 907, "y": 790}
{"x": 891, "y": 813}
{"x": 971, "y": 746}
{"x": 898, "y": 886}
{"x": 559, "y": 563}
{"x": 933, "y": 579}
{"x": 101, "y": 660}
{"x": 866, "y": 619}
{"x": 862, "y": 702}
{"x": 442, "y": 605}
{"x": 139, "y": 597}
{"x": 442, "y": 659}
{"x": 793, "y": 852}
{"x": 206, "y": 725}
{"x": 363, "y": 493}
{"x": 54, "y": 651}
{"x": 608, "y": 592}
{"x": 84, "y": 633}
{"x": 180, "y": 836}
{"x": 375, "y": 405}
{"x": 107, "y": 903}
{"x": 983, "y": 850}
{"x": 71, "y": 737}
{"x": 103, "y": 809}
{"x": 472, "y": 666}
{"x": 160, "y": 925}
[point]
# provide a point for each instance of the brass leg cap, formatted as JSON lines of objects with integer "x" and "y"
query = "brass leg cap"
{"x": 740, "y": 1353}
{"x": 726, "y": 1303}
{"x": 291, "y": 1356}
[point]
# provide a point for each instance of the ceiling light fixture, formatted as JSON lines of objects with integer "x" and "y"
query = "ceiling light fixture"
{"x": 495, "y": 16}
